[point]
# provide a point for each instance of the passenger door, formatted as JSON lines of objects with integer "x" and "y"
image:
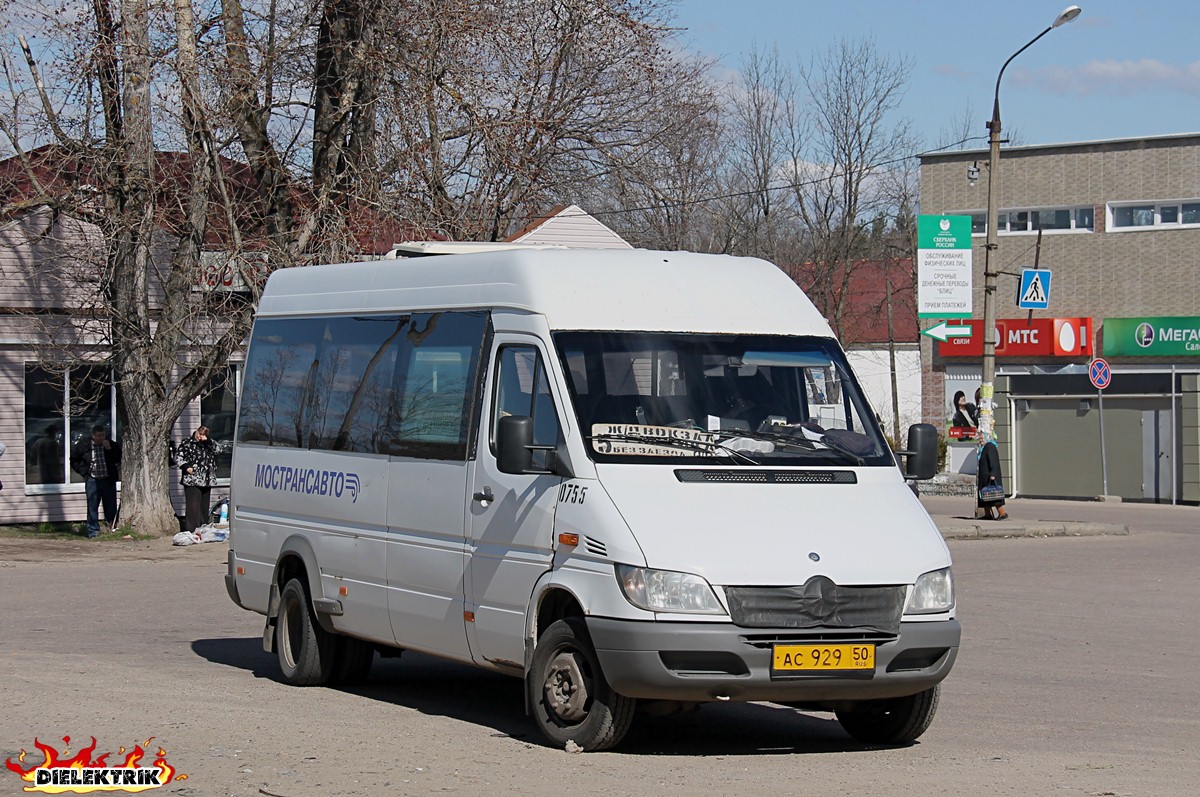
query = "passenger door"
{"x": 511, "y": 516}
{"x": 430, "y": 417}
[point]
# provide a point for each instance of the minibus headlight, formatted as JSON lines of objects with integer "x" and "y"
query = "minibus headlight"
{"x": 666, "y": 591}
{"x": 933, "y": 593}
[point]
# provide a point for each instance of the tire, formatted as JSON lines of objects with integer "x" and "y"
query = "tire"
{"x": 891, "y": 721}
{"x": 352, "y": 660}
{"x": 306, "y": 651}
{"x": 572, "y": 700}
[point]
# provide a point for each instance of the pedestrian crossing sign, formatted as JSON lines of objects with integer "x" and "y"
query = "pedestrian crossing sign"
{"x": 1034, "y": 293}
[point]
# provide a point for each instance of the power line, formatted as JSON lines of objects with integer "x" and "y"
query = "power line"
{"x": 778, "y": 187}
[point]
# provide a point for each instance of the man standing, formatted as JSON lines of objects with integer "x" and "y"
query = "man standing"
{"x": 98, "y": 460}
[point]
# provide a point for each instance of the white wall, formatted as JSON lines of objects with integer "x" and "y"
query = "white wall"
{"x": 871, "y": 366}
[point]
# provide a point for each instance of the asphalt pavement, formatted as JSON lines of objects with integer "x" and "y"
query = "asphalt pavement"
{"x": 1036, "y": 517}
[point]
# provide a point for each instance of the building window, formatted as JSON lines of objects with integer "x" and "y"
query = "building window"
{"x": 1147, "y": 215}
{"x": 218, "y": 410}
{"x": 61, "y": 407}
{"x": 1056, "y": 220}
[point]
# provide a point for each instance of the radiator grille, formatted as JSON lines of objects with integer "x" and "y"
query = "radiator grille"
{"x": 819, "y": 603}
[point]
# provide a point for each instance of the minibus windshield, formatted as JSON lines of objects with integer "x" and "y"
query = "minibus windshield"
{"x": 736, "y": 399}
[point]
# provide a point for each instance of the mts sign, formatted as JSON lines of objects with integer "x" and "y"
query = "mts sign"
{"x": 1017, "y": 337}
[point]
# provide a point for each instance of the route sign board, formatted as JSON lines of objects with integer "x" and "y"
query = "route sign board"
{"x": 1034, "y": 292}
{"x": 1100, "y": 373}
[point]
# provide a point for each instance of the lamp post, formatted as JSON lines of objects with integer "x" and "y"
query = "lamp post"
{"x": 989, "y": 276}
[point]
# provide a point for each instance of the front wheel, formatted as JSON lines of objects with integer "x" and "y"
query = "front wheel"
{"x": 895, "y": 720}
{"x": 573, "y": 702}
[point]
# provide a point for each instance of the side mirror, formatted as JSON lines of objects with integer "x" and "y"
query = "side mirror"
{"x": 514, "y": 436}
{"x": 921, "y": 461}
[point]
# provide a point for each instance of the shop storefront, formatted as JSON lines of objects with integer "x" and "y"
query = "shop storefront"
{"x": 1060, "y": 437}
{"x": 1023, "y": 346}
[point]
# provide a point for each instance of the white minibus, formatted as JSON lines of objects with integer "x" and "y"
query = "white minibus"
{"x": 630, "y": 478}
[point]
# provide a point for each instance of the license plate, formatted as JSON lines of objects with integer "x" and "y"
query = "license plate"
{"x": 823, "y": 658}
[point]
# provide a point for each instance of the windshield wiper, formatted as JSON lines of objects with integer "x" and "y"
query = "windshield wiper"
{"x": 831, "y": 449}
{"x": 690, "y": 444}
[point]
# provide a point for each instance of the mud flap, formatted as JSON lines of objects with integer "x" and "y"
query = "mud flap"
{"x": 272, "y": 618}
{"x": 530, "y": 686}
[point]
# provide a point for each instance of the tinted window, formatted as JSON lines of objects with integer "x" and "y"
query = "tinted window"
{"x": 399, "y": 385}
{"x": 436, "y": 384}
{"x": 352, "y": 383}
{"x": 282, "y": 353}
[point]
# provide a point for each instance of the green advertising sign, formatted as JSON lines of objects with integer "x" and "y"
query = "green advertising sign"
{"x": 943, "y": 232}
{"x": 944, "y": 266}
{"x": 1159, "y": 336}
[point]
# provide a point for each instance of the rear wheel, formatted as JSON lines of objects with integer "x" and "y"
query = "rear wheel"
{"x": 306, "y": 650}
{"x": 352, "y": 659}
{"x": 573, "y": 702}
{"x": 895, "y": 720}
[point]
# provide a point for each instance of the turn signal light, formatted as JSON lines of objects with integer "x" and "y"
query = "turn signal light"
{"x": 343, "y": 591}
{"x": 469, "y": 616}
{"x": 567, "y": 538}
{"x": 241, "y": 570}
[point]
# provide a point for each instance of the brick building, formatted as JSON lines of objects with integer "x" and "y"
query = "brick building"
{"x": 1119, "y": 225}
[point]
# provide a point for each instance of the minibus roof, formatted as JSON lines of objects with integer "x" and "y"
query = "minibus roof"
{"x": 584, "y": 289}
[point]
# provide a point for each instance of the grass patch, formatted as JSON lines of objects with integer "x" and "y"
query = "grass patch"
{"x": 75, "y": 530}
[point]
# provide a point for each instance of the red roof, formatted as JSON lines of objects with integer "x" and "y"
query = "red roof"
{"x": 56, "y": 174}
{"x": 864, "y": 314}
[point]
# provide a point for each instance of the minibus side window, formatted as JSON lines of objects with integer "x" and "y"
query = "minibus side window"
{"x": 435, "y": 383}
{"x": 523, "y": 389}
{"x": 356, "y": 360}
{"x": 277, "y": 374}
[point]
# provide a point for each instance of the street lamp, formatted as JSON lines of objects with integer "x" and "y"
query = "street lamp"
{"x": 989, "y": 276}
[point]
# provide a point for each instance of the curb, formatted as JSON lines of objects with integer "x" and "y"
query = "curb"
{"x": 998, "y": 529}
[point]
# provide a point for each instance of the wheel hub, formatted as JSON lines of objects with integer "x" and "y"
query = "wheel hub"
{"x": 566, "y": 688}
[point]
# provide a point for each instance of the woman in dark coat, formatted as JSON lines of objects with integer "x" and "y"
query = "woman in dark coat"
{"x": 989, "y": 474}
{"x": 198, "y": 474}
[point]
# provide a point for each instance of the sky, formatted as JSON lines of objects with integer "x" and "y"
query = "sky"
{"x": 1119, "y": 70}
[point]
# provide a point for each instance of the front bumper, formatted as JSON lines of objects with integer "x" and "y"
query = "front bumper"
{"x": 720, "y": 661}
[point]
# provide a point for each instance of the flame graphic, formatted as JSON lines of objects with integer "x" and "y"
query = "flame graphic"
{"x": 84, "y": 760}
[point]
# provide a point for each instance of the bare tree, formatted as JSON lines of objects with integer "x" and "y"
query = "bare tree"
{"x": 762, "y": 115}
{"x": 852, "y": 92}
{"x": 496, "y": 110}
{"x": 241, "y": 185}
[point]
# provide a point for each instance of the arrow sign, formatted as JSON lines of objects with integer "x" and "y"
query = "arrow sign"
{"x": 944, "y": 331}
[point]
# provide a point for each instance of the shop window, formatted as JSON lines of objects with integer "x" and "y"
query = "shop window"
{"x": 61, "y": 407}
